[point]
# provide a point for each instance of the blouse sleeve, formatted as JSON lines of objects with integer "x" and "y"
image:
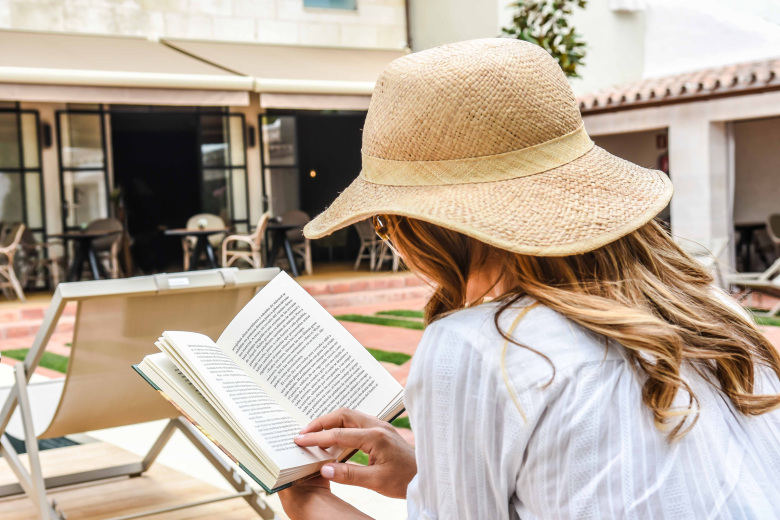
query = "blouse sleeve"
{"x": 470, "y": 430}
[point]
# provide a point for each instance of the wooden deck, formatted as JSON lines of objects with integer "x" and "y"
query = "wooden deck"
{"x": 160, "y": 487}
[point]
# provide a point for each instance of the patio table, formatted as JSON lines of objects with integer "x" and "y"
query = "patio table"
{"x": 747, "y": 240}
{"x": 279, "y": 234}
{"x": 85, "y": 253}
{"x": 202, "y": 245}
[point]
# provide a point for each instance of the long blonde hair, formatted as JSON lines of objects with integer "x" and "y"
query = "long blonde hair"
{"x": 642, "y": 291}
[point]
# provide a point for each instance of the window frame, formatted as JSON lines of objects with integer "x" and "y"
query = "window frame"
{"x": 23, "y": 170}
{"x": 321, "y": 5}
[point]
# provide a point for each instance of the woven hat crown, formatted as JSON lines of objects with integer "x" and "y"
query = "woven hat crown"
{"x": 484, "y": 137}
{"x": 468, "y": 99}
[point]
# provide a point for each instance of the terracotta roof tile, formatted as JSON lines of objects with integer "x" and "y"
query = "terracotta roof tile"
{"x": 742, "y": 78}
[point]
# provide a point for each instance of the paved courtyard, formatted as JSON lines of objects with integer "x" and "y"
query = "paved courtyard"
{"x": 18, "y": 325}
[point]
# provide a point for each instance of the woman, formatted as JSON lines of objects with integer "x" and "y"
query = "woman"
{"x": 607, "y": 378}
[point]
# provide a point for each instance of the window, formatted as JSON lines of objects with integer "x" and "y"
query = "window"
{"x": 280, "y": 162}
{"x": 223, "y": 162}
{"x": 83, "y": 174}
{"x": 331, "y": 4}
{"x": 21, "y": 188}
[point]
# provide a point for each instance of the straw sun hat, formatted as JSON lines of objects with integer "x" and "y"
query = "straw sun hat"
{"x": 484, "y": 137}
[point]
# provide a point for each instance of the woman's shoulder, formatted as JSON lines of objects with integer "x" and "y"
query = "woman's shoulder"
{"x": 537, "y": 329}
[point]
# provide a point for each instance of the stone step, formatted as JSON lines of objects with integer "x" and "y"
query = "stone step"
{"x": 31, "y": 311}
{"x": 367, "y": 291}
{"x": 25, "y": 320}
{"x": 29, "y": 328}
{"x": 368, "y": 298}
{"x": 366, "y": 283}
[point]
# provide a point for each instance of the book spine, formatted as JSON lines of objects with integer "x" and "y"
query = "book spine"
{"x": 140, "y": 373}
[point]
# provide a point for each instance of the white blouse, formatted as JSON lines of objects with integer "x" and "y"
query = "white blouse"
{"x": 587, "y": 447}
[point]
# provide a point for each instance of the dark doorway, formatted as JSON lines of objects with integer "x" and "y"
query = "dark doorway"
{"x": 329, "y": 145}
{"x": 156, "y": 164}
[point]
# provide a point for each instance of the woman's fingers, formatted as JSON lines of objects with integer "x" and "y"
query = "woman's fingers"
{"x": 351, "y": 474}
{"x": 341, "y": 418}
{"x": 355, "y": 438}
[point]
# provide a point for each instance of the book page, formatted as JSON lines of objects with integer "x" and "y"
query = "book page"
{"x": 249, "y": 407}
{"x": 309, "y": 361}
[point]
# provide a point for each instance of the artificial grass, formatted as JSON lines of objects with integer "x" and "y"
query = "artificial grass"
{"x": 360, "y": 458}
{"x": 396, "y": 358}
{"x": 767, "y": 320}
{"x": 403, "y": 313}
{"x": 402, "y": 422}
{"x": 379, "y": 320}
{"x": 56, "y": 362}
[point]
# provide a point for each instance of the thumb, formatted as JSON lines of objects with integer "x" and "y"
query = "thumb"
{"x": 350, "y": 474}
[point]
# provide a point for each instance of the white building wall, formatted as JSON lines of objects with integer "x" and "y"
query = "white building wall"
{"x": 375, "y": 23}
{"x": 638, "y": 147}
{"x": 615, "y": 46}
{"x": 615, "y": 39}
{"x": 436, "y": 22}
{"x": 702, "y": 157}
{"x": 52, "y": 196}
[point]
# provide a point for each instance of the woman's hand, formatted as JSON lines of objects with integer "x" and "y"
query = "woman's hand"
{"x": 391, "y": 460}
{"x": 312, "y": 499}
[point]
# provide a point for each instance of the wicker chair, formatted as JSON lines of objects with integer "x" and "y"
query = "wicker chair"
{"x": 773, "y": 230}
{"x": 40, "y": 263}
{"x": 385, "y": 253}
{"x": 231, "y": 246}
{"x": 12, "y": 236}
{"x": 370, "y": 244}
{"x": 107, "y": 248}
{"x": 188, "y": 243}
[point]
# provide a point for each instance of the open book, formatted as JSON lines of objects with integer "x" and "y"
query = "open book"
{"x": 282, "y": 362}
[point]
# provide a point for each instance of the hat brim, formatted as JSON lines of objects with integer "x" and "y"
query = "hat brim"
{"x": 572, "y": 209}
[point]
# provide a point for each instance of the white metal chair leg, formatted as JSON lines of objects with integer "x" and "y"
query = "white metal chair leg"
{"x": 234, "y": 478}
{"x": 36, "y": 485}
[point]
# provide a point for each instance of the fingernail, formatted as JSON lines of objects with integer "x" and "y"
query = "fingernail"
{"x": 328, "y": 471}
{"x": 299, "y": 436}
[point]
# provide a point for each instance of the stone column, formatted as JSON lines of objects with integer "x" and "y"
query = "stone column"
{"x": 701, "y": 167}
{"x": 253, "y": 170}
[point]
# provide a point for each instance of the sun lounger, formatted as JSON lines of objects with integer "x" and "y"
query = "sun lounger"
{"x": 117, "y": 322}
{"x": 707, "y": 252}
{"x": 767, "y": 282}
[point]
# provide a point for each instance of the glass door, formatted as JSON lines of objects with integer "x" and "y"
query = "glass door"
{"x": 223, "y": 187}
{"x": 21, "y": 182}
{"x": 280, "y": 163}
{"x": 83, "y": 173}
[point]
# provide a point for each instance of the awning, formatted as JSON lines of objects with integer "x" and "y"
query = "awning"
{"x": 40, "y": 66}
{"x": 320, "y": 75}
{"x": 58, "y": 67}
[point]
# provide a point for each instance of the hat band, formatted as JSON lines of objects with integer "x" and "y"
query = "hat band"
{"x": 487, "y": 168}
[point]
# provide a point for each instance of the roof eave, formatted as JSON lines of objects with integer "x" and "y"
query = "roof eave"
{"x": 676, "y": 100}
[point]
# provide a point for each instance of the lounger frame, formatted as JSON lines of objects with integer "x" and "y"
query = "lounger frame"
{"x": 32, "y": 482}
